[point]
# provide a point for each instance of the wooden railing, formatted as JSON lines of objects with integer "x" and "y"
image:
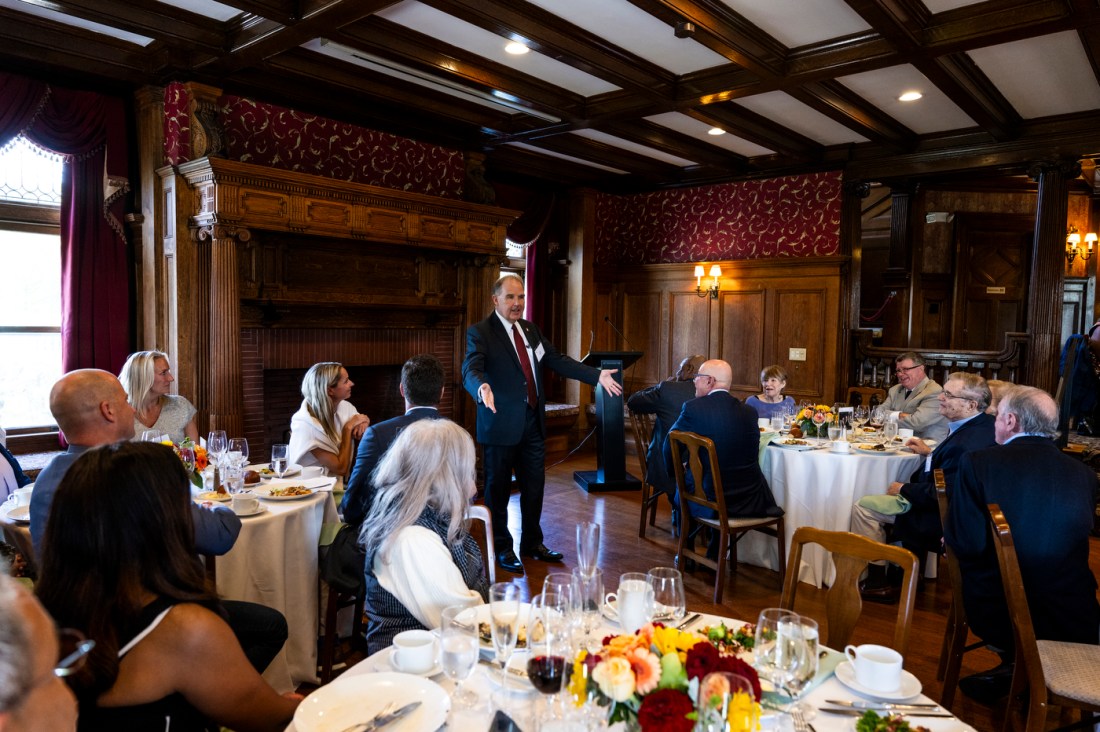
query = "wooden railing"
{"x": 874, "y": 365}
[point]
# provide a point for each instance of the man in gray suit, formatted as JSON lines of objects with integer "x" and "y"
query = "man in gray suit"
{"x": 914, "y": 400}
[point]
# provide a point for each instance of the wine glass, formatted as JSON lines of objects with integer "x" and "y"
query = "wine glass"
{"x": 153, "y": 436}
{"x": 216, "y": 445}
{"x": 588, "y": 592}
{"x": 187, "y": 457}
{"x": 859, "y": 416}
{"x": 588, "y": 546}
{"x": 890, "y": 431}
{"x": 504, "y": 617}
{"x": 769, "y": 658}
{"x": 548, "y": 643}
{"x": 797, "y": 638}
{"x": 459, "y": 643}
{"x": 561, "y": 583}
{"x": 239, "y": 445}
{"x": 726, "y": 701}
{"x": 669, "y": 602}
{"x": 279, "y": 459}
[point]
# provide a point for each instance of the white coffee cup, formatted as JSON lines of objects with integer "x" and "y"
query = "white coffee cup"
{"x": 414, "y": 651}
{"x": 764, "y": 423}
{"x": 841, "y": 446}
{"x": 245, "y": 503}
{"x": 904, "y": 433}
{"x": 312, "y": 471}
{"x": 877, "y": 667}
{"x": 633, "y": 601}
{"x": 20, "y": 497}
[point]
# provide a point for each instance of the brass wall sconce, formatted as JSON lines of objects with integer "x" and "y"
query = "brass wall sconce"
{"x": 715, "y": 272}
{"x": 1074, "y": 248}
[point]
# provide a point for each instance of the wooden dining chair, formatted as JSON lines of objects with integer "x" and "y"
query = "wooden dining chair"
{"x": 693, "y": 447}
{"x": 1048, "y": 673}
{"x": 868, "y": 396}
{"x": 642, "y": 426}
{"x": 843, "y": 604}
{"x": 479, "y": 522}
{"x": 958, "y": 629}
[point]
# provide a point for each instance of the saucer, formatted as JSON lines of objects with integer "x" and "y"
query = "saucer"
{"x": 19, "y": 514}
{"x": 910, "y": 684}
{"x": 437, "y": 667}
{"x": 259, "y": 509}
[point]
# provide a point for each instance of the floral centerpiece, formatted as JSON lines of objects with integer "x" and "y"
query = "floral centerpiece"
{"x": 651, "y": 680}
{"x": 814, "y": 420}
{"x": 195, "y": 462}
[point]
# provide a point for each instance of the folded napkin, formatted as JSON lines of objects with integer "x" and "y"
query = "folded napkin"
{"x": 765, "y": 440}
{"x": 886, "y": 505}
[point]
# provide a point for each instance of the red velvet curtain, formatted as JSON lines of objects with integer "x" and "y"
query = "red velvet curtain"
{"x": 90, "y": 130}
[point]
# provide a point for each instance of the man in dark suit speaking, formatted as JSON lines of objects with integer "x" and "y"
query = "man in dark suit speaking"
{"x": 503, "y": 371}
{"x": 422, "y": 388}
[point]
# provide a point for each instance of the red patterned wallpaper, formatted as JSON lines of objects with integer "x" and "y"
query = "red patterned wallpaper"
{"x": 265, "y": 134}
{"x": 177, "y": 129}
{"x": 795, "y": 216}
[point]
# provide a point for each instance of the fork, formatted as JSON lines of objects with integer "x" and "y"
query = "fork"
{"x": 358, "y": 726}
{"x": 800, "y": 723}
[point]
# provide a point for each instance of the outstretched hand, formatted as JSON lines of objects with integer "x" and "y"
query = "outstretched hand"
{"x": 486, "y": 393}
{"x": 607, "y": 381}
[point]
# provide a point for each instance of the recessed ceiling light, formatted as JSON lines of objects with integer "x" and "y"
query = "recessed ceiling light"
{"x": 516, "y": 48}
{"x": 910, "y": 96}
{"x": 716, "y": 131}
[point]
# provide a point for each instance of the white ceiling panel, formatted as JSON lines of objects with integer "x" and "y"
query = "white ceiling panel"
{"x": 1042, "y": 76}
{"x": 633, "y": 147}
{"x": 635, "y": 30}
{"x": 206, "y": 8}
{"x": 800, "y": 22}
{"x": 934, "y": 112}
{"x": 692, "y": 127}
{"x": 562, "y": 156}
{"x": 793, "y": 114}
{"x": 459, "y": 33}
{"x": 39, "y": 11}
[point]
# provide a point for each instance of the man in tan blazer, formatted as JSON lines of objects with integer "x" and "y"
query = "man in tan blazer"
{"x": 914, "y": 400}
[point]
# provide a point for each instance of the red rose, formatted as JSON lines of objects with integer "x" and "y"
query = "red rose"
{"x": 735, "y": 665}
{"x": 702, "y": 658}
{"x": 666, "y": 710}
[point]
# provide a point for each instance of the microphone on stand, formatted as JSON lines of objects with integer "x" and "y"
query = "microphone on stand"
{"x": 619, "y": 332}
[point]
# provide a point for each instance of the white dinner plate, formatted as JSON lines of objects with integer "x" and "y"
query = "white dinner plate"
{"x": 910, "y": 684}
{"x": 481, "y": 613}
{"x": 796, "y": 448}
{"x": 264, "y": 492}
{"x": 391, "y": 659}
{"x": 352, "y": 699}
{"x": 212, "y": 496}
{"x": 865, "y": 451}
{"x": 517, "y": 678}
{"x": 20, "y": 514}
{"x": 291, "y": 470}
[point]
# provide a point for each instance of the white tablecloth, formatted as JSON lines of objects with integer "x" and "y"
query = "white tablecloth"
{"x": 818, "y": 488}
{"x": 274, "y": 563}
{"x": 480, "y": 683}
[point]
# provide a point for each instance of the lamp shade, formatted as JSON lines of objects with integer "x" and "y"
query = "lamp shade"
{"x": 715, "y": 271}
{"x": 1073, "y": 239}
{"x": 698, "y": 271}
{"x": 1090, "y": 239}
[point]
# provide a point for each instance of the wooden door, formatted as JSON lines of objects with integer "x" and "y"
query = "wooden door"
{"x": 993, "y": 255}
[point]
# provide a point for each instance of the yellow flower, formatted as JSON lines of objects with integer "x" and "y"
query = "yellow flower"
{"x": 670, "y": 640}
{"x": 744, "y": 713}
{"x": 615, "y": 678}
{"x": 578, "y": 682}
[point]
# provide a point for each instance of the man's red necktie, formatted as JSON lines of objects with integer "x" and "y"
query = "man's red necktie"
{"x": 525, "y": 362}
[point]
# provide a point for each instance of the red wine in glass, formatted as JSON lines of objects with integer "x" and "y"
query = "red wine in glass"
{"x": 546, "y": 673}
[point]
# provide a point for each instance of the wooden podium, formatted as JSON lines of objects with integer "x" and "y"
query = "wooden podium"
{"x": 610, "y": 473}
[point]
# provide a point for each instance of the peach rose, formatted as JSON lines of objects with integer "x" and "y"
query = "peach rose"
{"x": 615, "y": 678}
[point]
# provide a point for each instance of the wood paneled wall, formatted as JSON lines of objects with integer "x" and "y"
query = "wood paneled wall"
{"x": 765, "y": 308}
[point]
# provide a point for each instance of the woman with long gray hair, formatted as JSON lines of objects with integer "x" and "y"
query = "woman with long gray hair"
{"x": 419, "y": 556}
{"x": 324, "y": 429}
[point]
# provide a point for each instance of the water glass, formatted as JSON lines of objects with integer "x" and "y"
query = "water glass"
{"x": 588, "y": 592}
{"x": 459, "y": 642}
{"x": 769, "y": 660}
{"x": 890, "y": 431}
{"x": 834, "y": 431}
{"x": 797, "y": 638}
{"x": 233, "y": 477}
{"x": 777, "y": 423}
{"x": 588, "y": 546}
{"x": 279, "y": 459}
{"x": 561, "y": 583}
{"x": 726, "y": 701}
{"x": 669, "y": 601}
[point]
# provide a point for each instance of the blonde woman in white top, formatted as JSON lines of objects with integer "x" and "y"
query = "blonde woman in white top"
{"x": 147, "y": 378}
{"x": 323, "y": 431}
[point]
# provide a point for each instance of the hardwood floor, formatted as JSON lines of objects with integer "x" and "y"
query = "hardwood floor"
{"x": 749, "y": 589}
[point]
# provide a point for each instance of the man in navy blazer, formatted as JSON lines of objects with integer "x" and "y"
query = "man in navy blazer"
{"x": 732, "y": 425}
{"x": 962, "y": 403}
{"x": 507, "y": 384}
{"x": 1048, "y": 499}
{"x": 422, "y": 387}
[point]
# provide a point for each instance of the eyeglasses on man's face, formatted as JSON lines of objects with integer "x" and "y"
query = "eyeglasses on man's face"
{"x": 899, "y": 370}
{"x": 949, "y": 395}
{"x": 703, "y": 376}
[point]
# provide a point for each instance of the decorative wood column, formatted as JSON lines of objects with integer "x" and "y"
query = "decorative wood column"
{"x": 898, "y": 277}
{"x": 851, "y": 234}
{"x": 224, "y": 393}
{"x": 1044, "y": 307}
{"x": 580, "y": 319}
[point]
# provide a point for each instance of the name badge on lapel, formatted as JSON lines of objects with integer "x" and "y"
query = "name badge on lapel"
{"x": 540, "y": 352}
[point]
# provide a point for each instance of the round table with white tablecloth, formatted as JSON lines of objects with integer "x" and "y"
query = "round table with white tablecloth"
{"x": 817, "y": 487}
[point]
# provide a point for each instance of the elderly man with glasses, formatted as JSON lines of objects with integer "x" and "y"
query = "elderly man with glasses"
{"x": 912, "y": 401}
{"x": 915, "y": 515}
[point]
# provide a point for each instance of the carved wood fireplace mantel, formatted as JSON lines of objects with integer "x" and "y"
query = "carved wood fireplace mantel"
{"x": 262, "y": 250}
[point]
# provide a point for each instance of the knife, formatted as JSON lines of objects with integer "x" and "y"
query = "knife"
{"x": 382, "y": 721}
{"x": 861, "y": 712}
{"x": 880, "y": 705}
{"x": 690, "y": 619}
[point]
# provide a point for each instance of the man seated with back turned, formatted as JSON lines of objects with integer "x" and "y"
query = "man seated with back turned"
{"x": 912, "y": 401}
{"x": 962, "y": 403}
{"x": 91, "y": 409}
{"x": 422, "y": 388}
{"x": 732, "y": 425}
{"x": 1048, "y": 499}
{"x": 665, "y": 400}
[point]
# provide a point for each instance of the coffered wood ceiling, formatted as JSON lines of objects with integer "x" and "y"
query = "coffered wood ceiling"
{"x": 608, "y": 95}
